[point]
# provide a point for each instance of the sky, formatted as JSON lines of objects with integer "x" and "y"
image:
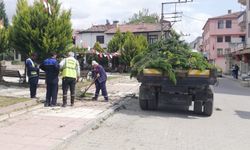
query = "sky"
{"x": 86, "y": 13}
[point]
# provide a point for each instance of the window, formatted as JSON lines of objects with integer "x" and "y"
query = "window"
{"x": 228, "y": 23}
{"x": 227, "y": 51}
{"x": 152, "y": 38}
{"x": 220, "y": 24}
{"x": 219, "y": 39}
{"x": 100, "y": 39}
{"x": 219, "y": 52}
{"x": 243, "y": 38}
{"x": 227, "y": 38}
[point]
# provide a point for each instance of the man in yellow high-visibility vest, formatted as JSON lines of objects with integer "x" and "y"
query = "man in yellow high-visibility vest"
{"x": 70, "y": 74}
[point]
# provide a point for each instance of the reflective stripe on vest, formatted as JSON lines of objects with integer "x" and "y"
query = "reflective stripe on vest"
{"x": 70, "y": 68}
{"x": 32, "y": 73}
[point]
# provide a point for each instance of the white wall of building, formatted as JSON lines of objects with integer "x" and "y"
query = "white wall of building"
{"x": 89, "y": 40}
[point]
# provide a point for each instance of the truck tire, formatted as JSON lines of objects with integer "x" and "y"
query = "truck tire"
{"x": 152, "y": 104}
{"x": 208, "y": 108}
{"x": 143, "y": 104}
{"x": 198, "y": 107}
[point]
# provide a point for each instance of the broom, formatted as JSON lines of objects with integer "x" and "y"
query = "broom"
{"x": 86, "y": 89}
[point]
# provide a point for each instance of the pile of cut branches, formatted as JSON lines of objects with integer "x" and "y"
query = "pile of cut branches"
{"x": 168, "y": 56}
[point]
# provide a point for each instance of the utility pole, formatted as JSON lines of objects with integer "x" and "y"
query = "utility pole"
{"x": 172, "y": 15}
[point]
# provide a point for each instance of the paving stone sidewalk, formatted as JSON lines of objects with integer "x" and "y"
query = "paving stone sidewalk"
{"x": 46, "y": 128}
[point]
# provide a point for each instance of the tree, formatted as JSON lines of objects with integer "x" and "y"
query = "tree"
{"x": 3, "y": 16}
{"x": 115, "y": 44}
{"x": 98, "y": 47}
{"x": 132, "y": 46}
{"x": 3, "y": 40}
{"x": 129, "y": 45}
{"x": 4, "y": 31}
{"x": 36, "y": 30}
{"x": 143, "y": 16}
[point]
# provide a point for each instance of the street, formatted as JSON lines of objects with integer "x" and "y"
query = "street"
{"x": 175, "y": 129}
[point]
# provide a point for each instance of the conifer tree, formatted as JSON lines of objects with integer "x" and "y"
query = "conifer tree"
{"x": 36, "y": 30}
{"x": 3, "y": 16}
{"x": 3, "y": 28}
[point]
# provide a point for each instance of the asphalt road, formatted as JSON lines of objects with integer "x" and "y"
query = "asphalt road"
{"x": 176, "y": 129}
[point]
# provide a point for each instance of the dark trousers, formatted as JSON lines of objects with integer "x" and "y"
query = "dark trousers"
{"x": 51, "y": 94}
{"x": 236, "y": 74}
{"x": 66, "y": 84}
{"x": 101, "y": 86}
{"x": 33, "y": 81}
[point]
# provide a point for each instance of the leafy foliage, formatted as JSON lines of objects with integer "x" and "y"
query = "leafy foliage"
{"x": 116, "y": 42}
{"x": 35, "y": 30}
{"x": 4, "y": 42}
{"x": 129, "y": 45}
{"x": 143, "y": 16}
{"x": 98, "y": 47}
{"x": 3, "y": 15}
{"x": 168, "y": 56}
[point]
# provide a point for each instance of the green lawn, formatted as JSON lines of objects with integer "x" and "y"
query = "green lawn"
{"x": 7, "y": 101}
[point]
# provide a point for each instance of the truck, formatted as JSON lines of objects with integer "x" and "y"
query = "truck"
{"x": 193, "y": 87}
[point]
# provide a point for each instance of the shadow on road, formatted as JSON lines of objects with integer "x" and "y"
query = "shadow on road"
{"x": 132, "y": 107}
{"x": 243, "y": 114}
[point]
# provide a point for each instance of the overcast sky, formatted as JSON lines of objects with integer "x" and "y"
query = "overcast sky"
{"x": 88, "y": 12}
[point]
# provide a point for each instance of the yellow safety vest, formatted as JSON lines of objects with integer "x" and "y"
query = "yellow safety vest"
{"x": 70, "y": 67}
{"x": 32, "y": 73}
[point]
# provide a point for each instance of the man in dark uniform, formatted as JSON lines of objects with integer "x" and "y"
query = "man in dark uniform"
{"x": 33, "y": 74}
{"x": 100, "y": 78}
{"x": 51, "y": 68}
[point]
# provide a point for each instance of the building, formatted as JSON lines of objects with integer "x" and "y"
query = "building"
{"x": 218, "y": 34}
{"x": 104, "y": 33}
{"x": 242, "y": 49}
{"x": 197, "y": 44}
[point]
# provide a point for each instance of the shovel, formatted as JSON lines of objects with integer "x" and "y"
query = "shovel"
{"x": 86, "y": 89}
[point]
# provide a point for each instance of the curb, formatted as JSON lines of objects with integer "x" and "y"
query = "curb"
{"x": 95, "y": 124}
{"x": 28, "y": 108}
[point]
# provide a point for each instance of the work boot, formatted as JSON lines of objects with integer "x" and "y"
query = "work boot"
{"x": 64, "y": 101}
{"x": 94, "y": 98}
{"x": 72, "y": 100}
{"x": 106, "y": 98}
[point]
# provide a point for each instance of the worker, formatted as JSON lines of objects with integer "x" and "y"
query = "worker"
{"x": 33, "y": 74}
{"x": 70, "y": 75}
{"x": 100, "y": 78}
{"x": 51, "y": 68}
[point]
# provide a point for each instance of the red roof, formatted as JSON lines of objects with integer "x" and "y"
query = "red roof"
{"x": 97, "y": 29}
{"x": 227, "y": 16}
{"x": 137, "y": 28}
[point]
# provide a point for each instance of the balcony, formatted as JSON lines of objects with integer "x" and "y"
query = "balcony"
{"x": 242, "y": 21}
{"x": 242, "y": 2}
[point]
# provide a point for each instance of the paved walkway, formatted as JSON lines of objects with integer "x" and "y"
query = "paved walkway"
{"x": 46, "y": 128}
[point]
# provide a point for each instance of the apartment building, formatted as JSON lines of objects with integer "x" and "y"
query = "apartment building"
{"x": 242, "y": 50}
{"x": 218, "y": 34}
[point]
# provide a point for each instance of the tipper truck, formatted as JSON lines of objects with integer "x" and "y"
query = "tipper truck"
{"x": 192, "y": 87}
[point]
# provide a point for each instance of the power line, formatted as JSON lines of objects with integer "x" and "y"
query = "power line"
{"x": 197, "y": 19}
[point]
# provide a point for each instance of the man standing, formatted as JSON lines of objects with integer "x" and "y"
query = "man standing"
{"x": 33, "y": 74}
{"x": 100, "y": 78}
{"x": 236, "y": 67}
{"x": 51, "y": 68}
{"x": 70, "y": 73}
